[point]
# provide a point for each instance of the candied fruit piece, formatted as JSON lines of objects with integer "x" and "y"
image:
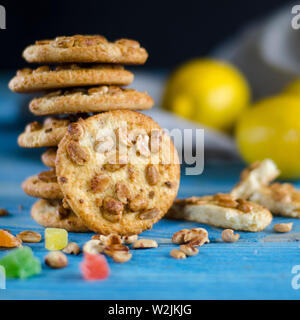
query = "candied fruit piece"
{"x": 94, "y": 267}
{"x": 56, "y": 239}
{"x": 21, "y": 263}
{"x": 8, "y": 240}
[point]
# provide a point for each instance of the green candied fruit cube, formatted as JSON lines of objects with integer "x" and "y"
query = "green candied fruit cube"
{"x": 20, "y": 263}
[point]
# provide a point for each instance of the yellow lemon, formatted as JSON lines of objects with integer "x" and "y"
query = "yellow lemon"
{"x": 293, "y": 88}
{"x": 271, "y": 129}
{"x": 209, "y": 91}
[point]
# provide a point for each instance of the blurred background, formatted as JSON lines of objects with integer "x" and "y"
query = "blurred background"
{"x": 228, "y": 67}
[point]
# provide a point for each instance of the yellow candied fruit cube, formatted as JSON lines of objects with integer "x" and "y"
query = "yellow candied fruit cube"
{"x": 55, "y": 238}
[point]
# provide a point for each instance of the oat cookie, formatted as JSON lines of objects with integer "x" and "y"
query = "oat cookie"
{"x": 95, "y": 99}
{"x": 259, "y": 174}
{"x": 51, "y": 214}
{"x": 280, "y": 198}
{"x": 119, "y": 171}
{"x": 48, "y": 157}
{"x": 44, "y": 78}
{"x": 222, "y": 210}
{"x": 89, "y": 48}
{"x": 44, "y": 185}
{"x": 47, "y": 134}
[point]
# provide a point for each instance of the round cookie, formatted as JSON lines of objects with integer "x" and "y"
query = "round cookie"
{"x": 96, "y": 99}
{"x": 44, "y": 185}
{"x": 51, "y": 214}
{"x": 48, "y": 157}
{"x": 47, "y": 134}
{"x": 79, "y": 48}
{"x": 119, "y": 171}
{"x": 43, "y": 78}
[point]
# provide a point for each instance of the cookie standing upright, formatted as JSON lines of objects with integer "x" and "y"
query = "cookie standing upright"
{"x": 119, "y": 171}
{"x": 86, "y": 49}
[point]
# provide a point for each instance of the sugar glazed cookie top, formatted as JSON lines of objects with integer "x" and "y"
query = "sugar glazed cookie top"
{"x": 118, "y": 171}
{"x": 89, "y": 48}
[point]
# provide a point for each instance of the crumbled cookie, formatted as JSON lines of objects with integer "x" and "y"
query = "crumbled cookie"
{"x": 48, "y": 214}
{"x": 102, "y": 170}
{"x": 43, "y": 185}
{"x": 280, "y": 198}
{"x": 88, "y": 48}
{"x": 95, "y": 99}
{"x": 257, "y": 175}
{"x": 222, "y": 210}
{"x": 45, "y": 78}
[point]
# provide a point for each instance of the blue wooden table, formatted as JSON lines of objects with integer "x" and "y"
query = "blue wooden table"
{"x": 258, "y": 266}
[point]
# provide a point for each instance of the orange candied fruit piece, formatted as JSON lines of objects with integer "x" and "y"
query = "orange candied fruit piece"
{"x": 8, "y": 240}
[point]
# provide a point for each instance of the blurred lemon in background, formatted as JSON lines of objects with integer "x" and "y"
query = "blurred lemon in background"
{"x": 293, "y": 88}
{"x": 271, "y": 129}
{"x": 209, "y": 91}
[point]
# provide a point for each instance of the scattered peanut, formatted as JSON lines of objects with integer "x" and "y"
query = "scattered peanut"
{"x": 229, "y": 236}
{"x": 93, "y": 247}
{"x": 177, "y": 254}
{"x": 144, "y": 244}
{"x": 129, "y": 239}
{"x": 121, "y": 256}
{"x": 56, "y": 260}
{"x": 189, "y": 249}
{"x": 30, "y": 236}
{"x": 3, "y": 212}
{"x": 283, "y": 227}
{"x": 72, "y": 248}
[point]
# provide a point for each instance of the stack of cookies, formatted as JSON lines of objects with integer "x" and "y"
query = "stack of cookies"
{"x": 111, "y": 169}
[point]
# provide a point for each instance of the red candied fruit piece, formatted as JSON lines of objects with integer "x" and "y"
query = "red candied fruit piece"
{"x": 94, "y": 267}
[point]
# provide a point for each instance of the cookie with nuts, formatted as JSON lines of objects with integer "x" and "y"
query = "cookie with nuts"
{"x": 64, "y": 76}
{"x": 46, "y": 134}
{"x": 52, "y": 214}
{"x": 280, "y": 198}
{"x": 257, "y": 175}
{"x": 119, "y": 171}
{"x": 222, "y": 210}
{"x": 88, "y": 48}
{"x": 48, "y": 157}
{"x": 44, "y": 185}
{"x": 95, "y": 99}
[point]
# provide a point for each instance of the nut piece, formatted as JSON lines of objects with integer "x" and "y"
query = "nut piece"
{"x": 33, "y": 126}
{"x": 99, "y": 183}
{"x": 130, "y": 239}
{"x": 72, "y": 248}
{"x": 113, "y": 206}
{"x": 112, "y": 249}
{"x": 244, "y": 205}
{"x": 77, "y": 153}
{"x": 138, "y": 203}
{"x": 178, "y": 237}
{"x": 112, "y": 239}
{"x": 3, "y": 212}
{"x": 93, "y": 247}
{"x": 149, "y": 214}
{"x": 189, "y": 249}
{"x": 30, "y": 236}
{"x": 56, "y": 260}
{"x": 177, "y": 254}
{"x": 229, "y": 236}
{"x": 48, "y": 176}
{"x": 196, "y": 237}
{"x": 225, "y": 200}
{"x": 122, "y": 191}
{"x": 104, "y": 145}
{"x": 144, "y": 244}
{"x": 283, "y": 227}
{"x": 152, "y": 175}
{"x": 121, "y": 256}
{"x": 142, "y": 145}
{"x": 75, "y": 130}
